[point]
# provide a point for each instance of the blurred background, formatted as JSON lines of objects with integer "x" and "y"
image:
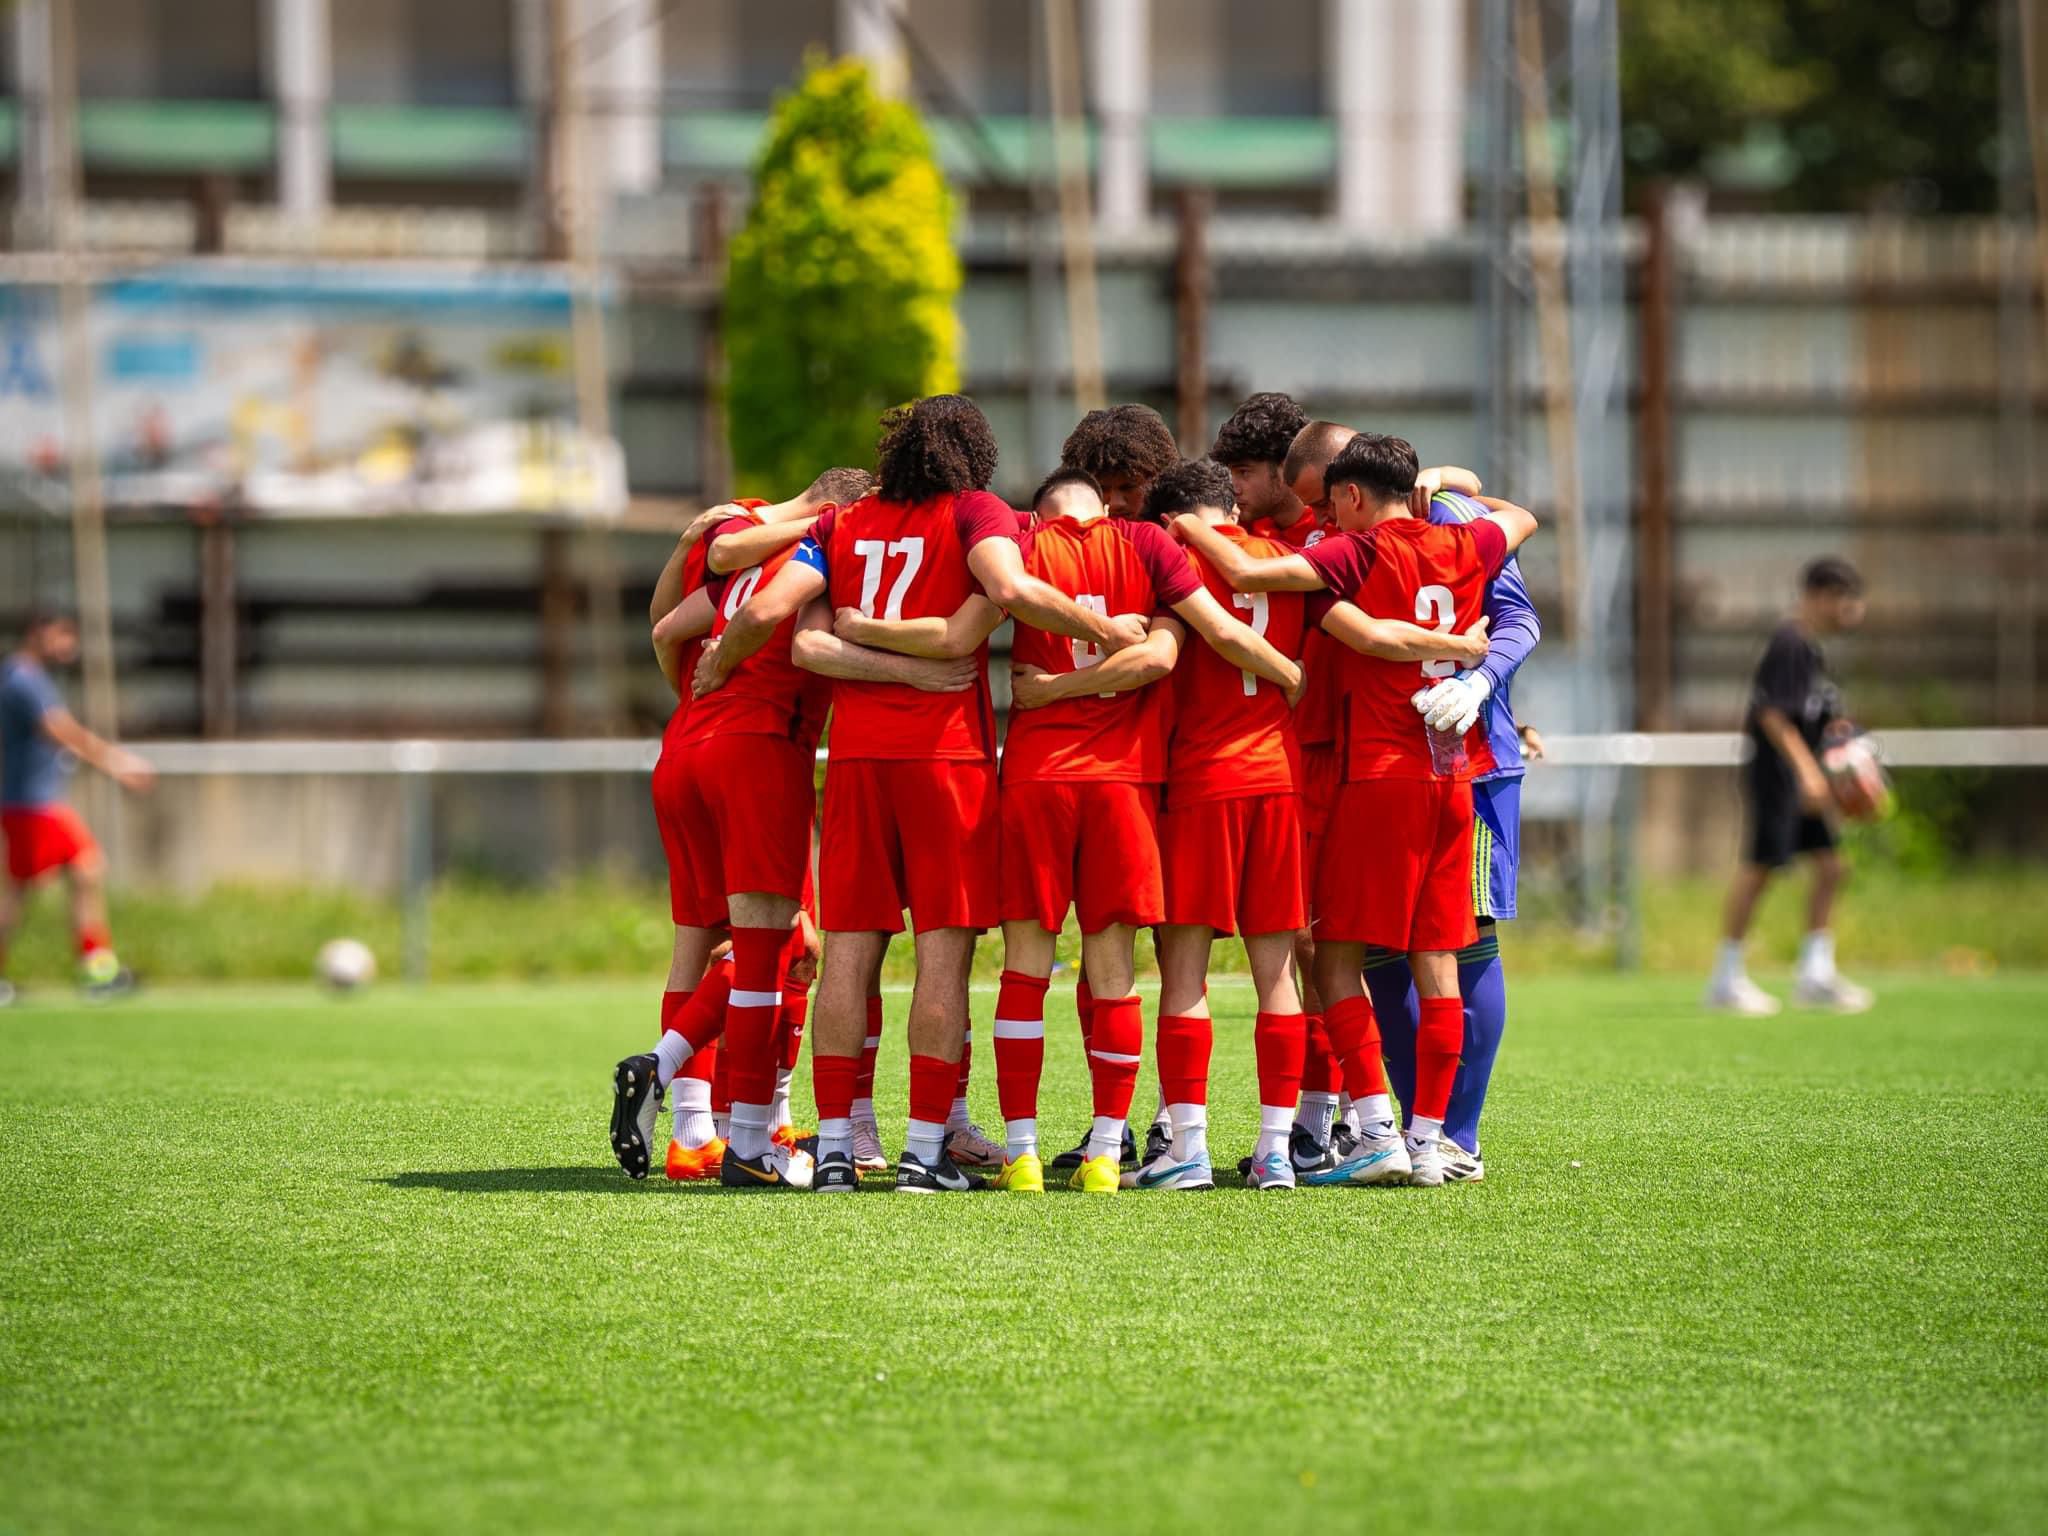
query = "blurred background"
{"x": 360, "y": 363}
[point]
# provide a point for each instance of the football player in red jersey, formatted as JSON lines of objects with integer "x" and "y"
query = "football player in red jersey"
{"x": 1403, "y": 820}
{"x": 685, "y": 1057}
{"x": 1231, "y": 841}
{"x": 1121, "y": 447}
{"x": 1085, "y": 755}
{"x": 910, "y": 790}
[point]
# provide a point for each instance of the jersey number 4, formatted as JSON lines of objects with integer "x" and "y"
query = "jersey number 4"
{"x": 875, "y": 555}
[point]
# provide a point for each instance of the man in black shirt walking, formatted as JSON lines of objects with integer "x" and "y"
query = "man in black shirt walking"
{"x": 1788, "y": 809}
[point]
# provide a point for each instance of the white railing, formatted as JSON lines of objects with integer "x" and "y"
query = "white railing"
{"x": 417, "y": 762}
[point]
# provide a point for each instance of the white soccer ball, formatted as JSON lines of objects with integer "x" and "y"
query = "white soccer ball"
{"x": 346, "y": 964}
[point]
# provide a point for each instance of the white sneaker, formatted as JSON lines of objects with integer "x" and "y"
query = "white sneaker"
{"x": 1837, "y": 994}
{"x": 868, "y": 1155}
{"x": 1460, "y": 1166}
{"x": 1426, "y": 1163}
{"x": 1742, "y": 997}
{"x": 971, "y": 1147}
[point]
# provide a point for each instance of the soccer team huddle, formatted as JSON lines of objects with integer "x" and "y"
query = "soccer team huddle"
{"x": 1263, "y": 693}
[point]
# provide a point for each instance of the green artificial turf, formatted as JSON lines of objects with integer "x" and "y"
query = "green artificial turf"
{"x": 273, "y": 1261}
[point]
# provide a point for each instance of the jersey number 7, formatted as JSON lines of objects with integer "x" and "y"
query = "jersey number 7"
{"x": 875, "y": 554}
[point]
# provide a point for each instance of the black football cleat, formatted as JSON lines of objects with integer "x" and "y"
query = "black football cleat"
{"x": 915, "y": 1176}
{"x": 777, "y": 1168}
{"x": 636, "y": 1097}
{"x": 1074, "y": 1157}
{"x": 835, "y": 1175}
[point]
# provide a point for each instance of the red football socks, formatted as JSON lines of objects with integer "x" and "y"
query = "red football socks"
{"x": 750, "y": 1012}
{"x": 1084, "y": 1010}
{"x": 1321, "y": 1072}
{"x": 1439, "y": 1038}
{"x": 1020, "y": 1043}
{"x": 1118, "y": 1039}
{"x": 931, "y": 1088}
{"x": 870, "y": 1048}
{"x": 1355, "y": 1039}
{"x": 1279, "y": 1040}
{"x": 832, "y": 1080}
{"x": 1183, "y": 1053}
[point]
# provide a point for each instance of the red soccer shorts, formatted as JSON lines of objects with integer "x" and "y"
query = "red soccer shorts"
{"x": 735, "y": 815}
{"x": 1235, "y": 865}
{"x": 1322, "y": 774}
{"x": 42, "y": 838}
{"x": 1396, "y": 866}
{"x": 1089, "y": 844}
{"x": 908, "y": 832}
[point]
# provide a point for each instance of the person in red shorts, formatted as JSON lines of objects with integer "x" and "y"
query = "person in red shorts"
{"x": 910, "y": 788}
{"x": 686, "y": 1052}
{"x": 1395, "y": 868}
{"x": 1079, "y": 805}
{"x": 39, "y": 740}
{"x": 1231, "y": 842}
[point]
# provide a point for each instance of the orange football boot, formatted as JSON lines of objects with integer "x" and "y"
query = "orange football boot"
{"x": 788, "y": 1136}
{"x": 688, "y": 1163}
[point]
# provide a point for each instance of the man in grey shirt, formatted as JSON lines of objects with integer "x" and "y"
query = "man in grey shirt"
{"x": 39, "y": 741}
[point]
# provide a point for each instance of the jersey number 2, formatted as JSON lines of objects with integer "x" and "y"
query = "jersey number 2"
{"x": 1436, "y": 609}
{"x": 874, "y": 554}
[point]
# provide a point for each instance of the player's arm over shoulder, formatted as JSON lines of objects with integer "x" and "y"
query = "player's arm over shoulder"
{"x": 1244, "y": 571}
{"x": 1516, "y": 525}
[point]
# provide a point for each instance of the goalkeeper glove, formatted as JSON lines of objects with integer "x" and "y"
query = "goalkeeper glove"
{"x": 1453, "y": 705}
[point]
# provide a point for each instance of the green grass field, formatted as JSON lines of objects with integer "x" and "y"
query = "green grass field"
{"x": 274, "y": 1261}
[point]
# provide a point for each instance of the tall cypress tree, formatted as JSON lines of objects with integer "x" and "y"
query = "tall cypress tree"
{"x": 839, "y": 294}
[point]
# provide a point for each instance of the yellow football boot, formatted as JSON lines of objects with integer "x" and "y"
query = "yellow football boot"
{"x": 1022, "y": 1175}
{"x": 1097, "y": 1176}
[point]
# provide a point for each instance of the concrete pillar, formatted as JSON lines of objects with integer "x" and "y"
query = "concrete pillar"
{"x": 1397, "y": 95}
{"x": 1433, "y": 149}
{"x": 868, "y": 30}
{"x": 302, "y": 85}
{"x": 622, "y": 85}
{"x": 1120, "y": 71}
{"x": 37, "y": 189}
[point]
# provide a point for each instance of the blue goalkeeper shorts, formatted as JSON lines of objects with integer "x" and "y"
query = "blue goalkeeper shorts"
{"x": 1496, "y": 846}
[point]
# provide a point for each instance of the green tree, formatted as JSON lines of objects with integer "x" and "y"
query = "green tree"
{"x": 839, "y": 293}
{"x": 1825, "y": 105}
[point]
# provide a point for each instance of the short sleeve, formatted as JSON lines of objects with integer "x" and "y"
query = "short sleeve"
{"x": 821, "y": 530}
{"x": 1784, "y": 676}
{"x": 1491, "y": 541}
{"x": 978, "y": 515}
{"x": 1167, "y": 565}
{"x": 810, "y": 552}
{"x": 1343, "y": 561}
{"x": 42, "y": 693}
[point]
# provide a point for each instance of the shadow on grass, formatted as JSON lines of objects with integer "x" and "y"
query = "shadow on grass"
{"x": 590, "y": 1180}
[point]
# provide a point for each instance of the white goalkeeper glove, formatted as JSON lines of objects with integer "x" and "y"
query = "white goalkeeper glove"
{"x": 1452, "y": 706}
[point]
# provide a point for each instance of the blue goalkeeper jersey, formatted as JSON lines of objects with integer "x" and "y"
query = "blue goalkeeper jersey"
{"x": 1511, "y": 635}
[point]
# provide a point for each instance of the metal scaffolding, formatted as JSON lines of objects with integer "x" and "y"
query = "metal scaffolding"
{"x": 1549, "y": 264}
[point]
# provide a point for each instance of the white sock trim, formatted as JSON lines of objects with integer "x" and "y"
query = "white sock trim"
{"x": 1020, "y": 1029}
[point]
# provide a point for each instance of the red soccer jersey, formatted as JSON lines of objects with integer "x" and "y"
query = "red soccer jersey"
{"x": 695, "y": 573}
{"x": 896, "y": 561}
{"x": 1232, "y": 731}
{"x": 1315, "y": 716}
{"x": 766, "y": 694}
{"x": 1432, "y": 575}
{"x": 1112, "y": 565}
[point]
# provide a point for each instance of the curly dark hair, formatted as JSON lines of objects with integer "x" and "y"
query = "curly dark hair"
{"x": 1383, "y": 467}
{"x": 1260, "y": 431}
{"x": 1128, "y": 440}
{"x": 841, "y": 486}
{"x": 1187, "y": 485}
{"x": 934, "y": 447}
